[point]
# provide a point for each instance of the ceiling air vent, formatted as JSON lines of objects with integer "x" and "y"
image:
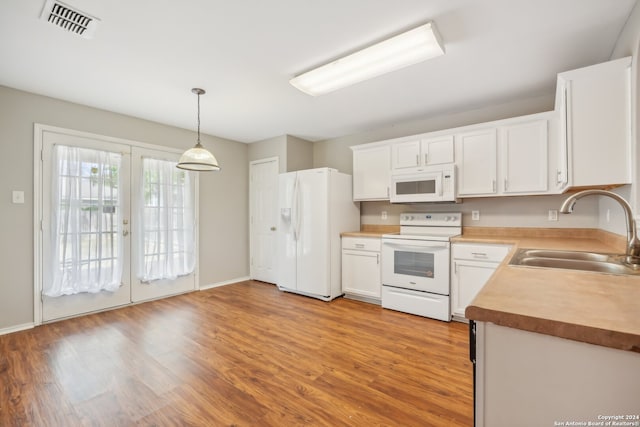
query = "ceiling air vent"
{"x": 69, "y": 18}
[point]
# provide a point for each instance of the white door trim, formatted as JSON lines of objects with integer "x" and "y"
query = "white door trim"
{"x": 38, "y": 131}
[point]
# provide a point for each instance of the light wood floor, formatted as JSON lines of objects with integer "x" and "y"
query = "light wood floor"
{"x": 239, "y": 355}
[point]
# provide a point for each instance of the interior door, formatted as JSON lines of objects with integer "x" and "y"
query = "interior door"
{"x": 164, "y": 244}
{"x": 264, "y": 211}
{"x": 85, "y": 235}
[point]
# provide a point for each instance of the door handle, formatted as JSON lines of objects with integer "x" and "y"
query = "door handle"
{"x": 272, "y": 229}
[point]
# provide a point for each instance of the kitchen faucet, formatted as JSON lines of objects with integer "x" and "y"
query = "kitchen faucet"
{"x": 633, "y": 243}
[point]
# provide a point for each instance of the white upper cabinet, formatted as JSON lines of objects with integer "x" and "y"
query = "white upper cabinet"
{"x": 405, "y": 155}
{"x": 510, "y": 158}
{"x": 477, "y": 153}
{"x": 584, "y": 142}
{"x": 524, "y": 157}
{"x": 371, "y": 170}
{"x": 422, "y": 152}
{"x": 594, "y": 104}
{"x": 437, "y": 151}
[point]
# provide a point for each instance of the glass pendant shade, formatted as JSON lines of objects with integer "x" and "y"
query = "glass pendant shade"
{"x": 198, "y": 158}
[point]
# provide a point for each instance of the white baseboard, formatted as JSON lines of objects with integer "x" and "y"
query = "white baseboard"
{"x": 226, "y": 282}
{"x": 16, "y": 328}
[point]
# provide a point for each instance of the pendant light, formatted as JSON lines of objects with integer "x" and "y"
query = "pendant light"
{"x": 198, "y": 158}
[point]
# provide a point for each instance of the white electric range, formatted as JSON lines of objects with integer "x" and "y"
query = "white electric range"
{"x": 416, "y": 264}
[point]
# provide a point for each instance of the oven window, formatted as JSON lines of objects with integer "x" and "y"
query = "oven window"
{"x": 416, "y": 187}
{"x": 413, "y": 263}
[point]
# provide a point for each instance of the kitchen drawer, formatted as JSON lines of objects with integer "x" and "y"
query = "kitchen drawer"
{"x": 493, "y": 253}
{"x": 361, "y": 243}
{"x": 416, "y": 302}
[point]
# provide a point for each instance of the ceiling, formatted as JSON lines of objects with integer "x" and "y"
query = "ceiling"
{"x": 146, "y": 56}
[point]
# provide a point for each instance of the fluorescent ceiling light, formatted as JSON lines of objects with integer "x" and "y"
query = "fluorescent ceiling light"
{"x": 411, "y": 47}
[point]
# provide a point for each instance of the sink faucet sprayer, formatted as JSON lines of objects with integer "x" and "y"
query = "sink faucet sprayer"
{"x": 633, "y": 243}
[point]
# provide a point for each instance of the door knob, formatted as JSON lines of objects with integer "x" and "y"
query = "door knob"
{"x": 125, "y": 233}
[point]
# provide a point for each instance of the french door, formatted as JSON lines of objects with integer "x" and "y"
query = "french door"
{"x": 118, "y": 225}
{"x": 164, "y": 226}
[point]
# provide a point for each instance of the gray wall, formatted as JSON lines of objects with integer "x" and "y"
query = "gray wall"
{"x": 272, "y": 147}
{"x": 223, "y": 213}
{"x": 299, "y": 154}
{"x": 293, "y": 153}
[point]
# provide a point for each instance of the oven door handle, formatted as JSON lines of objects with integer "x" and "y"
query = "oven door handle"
{"x": 422, "y": 246}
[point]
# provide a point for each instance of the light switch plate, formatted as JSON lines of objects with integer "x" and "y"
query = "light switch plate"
{"x": 553, "y": 214}
{"x": 17, "y": 197}
{"x": 475, "y": 215}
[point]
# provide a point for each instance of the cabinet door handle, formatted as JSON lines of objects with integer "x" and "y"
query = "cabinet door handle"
{"x": 378, "y": 259}
{"x": 359, "y": 245}
{"x": 455, "y": 267}
{"x": 426, "y": 156}
{"x": 417, "y": 159}
{"x": 479, "y": 254}
{"x": 493, "y": 185}
{"x": 506, "y": 184}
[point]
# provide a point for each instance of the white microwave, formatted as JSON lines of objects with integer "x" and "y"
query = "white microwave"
{"x": 427, "y": 184}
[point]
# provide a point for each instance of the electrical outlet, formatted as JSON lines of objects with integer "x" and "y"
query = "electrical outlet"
{"x": 553, "y": 214}
{"x": 475, "y": 215}
{"x": 383, "y": 215}
{"x": 17, "y": 197}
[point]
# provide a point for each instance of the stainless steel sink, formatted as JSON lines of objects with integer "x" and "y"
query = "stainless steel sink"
{"x": 567, "y": 255}
{"x": 574, "y": 260}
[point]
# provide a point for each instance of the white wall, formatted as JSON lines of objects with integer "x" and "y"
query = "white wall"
{"x": 223, "y": 195}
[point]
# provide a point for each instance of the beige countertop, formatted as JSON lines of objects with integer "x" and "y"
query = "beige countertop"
{"x": 596, "y": 308}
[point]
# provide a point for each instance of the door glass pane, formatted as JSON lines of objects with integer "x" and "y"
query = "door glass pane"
{"x": 414, "y": 263}
{"x": 86, "y": 234}
{"x": 416, "y": 187}
{"x": 168, "y": 222}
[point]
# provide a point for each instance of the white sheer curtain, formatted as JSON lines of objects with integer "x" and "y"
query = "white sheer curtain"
{"x": 167, "y": 222}
{"x": 86, "y": 221}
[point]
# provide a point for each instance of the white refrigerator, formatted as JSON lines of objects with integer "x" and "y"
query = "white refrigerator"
{"x": 316, "y": 205}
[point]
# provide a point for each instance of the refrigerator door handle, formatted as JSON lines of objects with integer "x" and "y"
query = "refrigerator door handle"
{"x": 295, "y": 208}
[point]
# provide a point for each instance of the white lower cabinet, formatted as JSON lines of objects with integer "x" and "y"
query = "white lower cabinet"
{"x": 527, "y": 379}
{"x": 471, "y": 267}
{"x": 361, "y": 268}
